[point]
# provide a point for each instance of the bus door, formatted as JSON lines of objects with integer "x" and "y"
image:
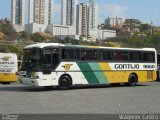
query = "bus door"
{"x": 50, "y": 60}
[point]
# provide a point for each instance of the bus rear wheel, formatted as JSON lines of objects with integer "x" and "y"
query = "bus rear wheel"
{"x": 65, "y": 82}
{"x": 132, "y": 80}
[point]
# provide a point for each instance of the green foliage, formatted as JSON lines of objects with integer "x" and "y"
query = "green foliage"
{"x": 23, "y": 35}
{"x": 139, "y": 41}
{"x": 72, "y": 41}
{"x": 8, "y": 29}
{"x": 37, "y": 38}
{"x": 145, "y": 27}
{"x": 132, "y": 21}
{"x": 12, "y": 49}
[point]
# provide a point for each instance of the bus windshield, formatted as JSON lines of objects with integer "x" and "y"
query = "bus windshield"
{"x": 32, "y": 60}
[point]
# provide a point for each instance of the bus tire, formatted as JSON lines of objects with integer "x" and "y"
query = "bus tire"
{"x": 132, "y": 80}
{"x": 6, "y": 83}
{"x": 48, "y": 87}
{"x": 65, "y": 82}
{"x": 115, "y": 84}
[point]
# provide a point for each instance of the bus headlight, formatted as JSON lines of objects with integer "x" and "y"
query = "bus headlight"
{"x": 33, "y": 74}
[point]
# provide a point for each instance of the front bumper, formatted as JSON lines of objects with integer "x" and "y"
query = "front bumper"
{"x": 30, "y": 81}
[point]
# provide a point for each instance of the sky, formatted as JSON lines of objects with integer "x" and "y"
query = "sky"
{"x": 144, "y": 10}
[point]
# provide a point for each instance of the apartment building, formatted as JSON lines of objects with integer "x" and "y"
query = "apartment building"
{"x": 114, "y": 22}
{"x": 93, "y": 15}
{"x": 83, "y": 19}
{"x": 69, "y": 12}
{"x": 87, "y": 18}
{"x": 18, "y": 12}
{"x": 41, "y": 12}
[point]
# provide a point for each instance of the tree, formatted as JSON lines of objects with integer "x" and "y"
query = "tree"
{"x": 36, "y": 37}
{"x": 8, "y": 30}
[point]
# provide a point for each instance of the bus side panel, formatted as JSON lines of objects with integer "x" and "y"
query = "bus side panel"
{"x": 8, "y": 67}
{"x": 122, "y": 76}
{"x": 8, "y": 77}
{"x": 73, "y": 70}
{"x": 92, "y": 72}
{"x": 101, "y": 73}
{"x": 155, "y": 77}
{"x": 117, "y": 76}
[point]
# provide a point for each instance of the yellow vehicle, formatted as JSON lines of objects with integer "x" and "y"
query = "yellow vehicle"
{"x": 8, "y": 68}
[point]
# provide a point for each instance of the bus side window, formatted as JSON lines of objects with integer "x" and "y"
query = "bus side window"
{"x": 94, "y": 55}
{"x": 135, "y": 56}
{"x": 125, "y": 56}
{"x": 106, "y": 55}
{"x": 117, "y": 55}
{"x": 76, "y": 54}
{"x": 83, "y": 55}
{"x": 70, "y": 54}
{"x": 89, "y": 55}
{"x": 109, "y": 55}
{"x": 55, "y": 58}
{"x": 149, "y": 57}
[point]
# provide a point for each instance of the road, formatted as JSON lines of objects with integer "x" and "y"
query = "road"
{"x": 142, "y": 99}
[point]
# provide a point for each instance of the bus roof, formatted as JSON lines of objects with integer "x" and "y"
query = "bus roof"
{"x": 42, "y": 45}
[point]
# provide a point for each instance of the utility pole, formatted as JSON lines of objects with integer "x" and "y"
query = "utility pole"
{"x": 99, "y": 37}
{"x": 151, "y": 27}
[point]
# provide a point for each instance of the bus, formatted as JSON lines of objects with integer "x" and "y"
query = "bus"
{"x": 8, "y": 68}
{"x": 158, "y": 66}
{"x": 54, "y": 64}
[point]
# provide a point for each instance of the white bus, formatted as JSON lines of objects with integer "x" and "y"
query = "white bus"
{"x": 53, "y": 64}
{"x": 8, "y": 68}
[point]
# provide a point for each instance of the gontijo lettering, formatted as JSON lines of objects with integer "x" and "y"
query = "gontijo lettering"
{"x": 8, "y": 67}
{"x": 7, "y": 63}
{"x": 127, "y": 66}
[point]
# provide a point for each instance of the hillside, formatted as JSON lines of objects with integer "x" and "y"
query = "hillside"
{"x": 2, "y": 36}
{"x": 7, "y": 30}
{"x": 137, "y": 41}
{"x": 7, "y": 33}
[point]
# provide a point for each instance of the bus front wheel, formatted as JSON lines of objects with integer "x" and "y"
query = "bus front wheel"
{"x": 132, "y": 80}
{"x": 65, "y": 82}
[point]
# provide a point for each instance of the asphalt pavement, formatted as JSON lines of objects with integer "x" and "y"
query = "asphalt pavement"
{"x": 141, "y": 99}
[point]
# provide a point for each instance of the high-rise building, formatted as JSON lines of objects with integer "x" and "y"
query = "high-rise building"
{"x": 87, "y": 18}
{"x": 114, "y": 22}
{"x": 93, "y": 15}
{"x": 41, "y": 11}
{"x": 82, "y": 19}
{"x": 50, "y": 12}
{"x": 69, "y": 10}
{"x": 18, "y": 12}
